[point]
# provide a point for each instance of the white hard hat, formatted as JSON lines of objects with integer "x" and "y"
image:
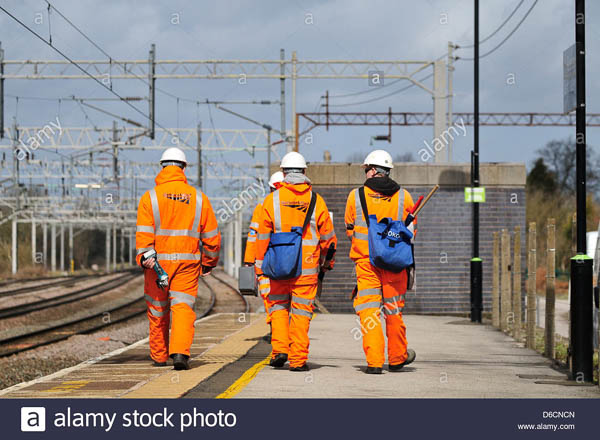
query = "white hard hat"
{"x": 380, "y": 158}
{"x": 293, "y": 160}
{"x": 173, "y": 154}
{"x": 275, "y": 178}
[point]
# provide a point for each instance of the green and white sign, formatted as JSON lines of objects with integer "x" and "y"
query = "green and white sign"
{"x": 475, "y": 195}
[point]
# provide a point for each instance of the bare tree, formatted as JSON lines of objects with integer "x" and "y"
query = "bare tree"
{"x": 559, "y": 155}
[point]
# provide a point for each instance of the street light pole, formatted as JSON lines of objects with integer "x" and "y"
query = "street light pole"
{"x": 476, "y": 270}
{"x": 581, "y": 344}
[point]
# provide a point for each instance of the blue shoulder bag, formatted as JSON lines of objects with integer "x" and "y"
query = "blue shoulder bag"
{"x": 389, "y": 240}
{"x": 283, "y": 259}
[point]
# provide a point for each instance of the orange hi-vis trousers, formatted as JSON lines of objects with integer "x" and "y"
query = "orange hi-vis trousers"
{"x": 264, "y": 287}
{"x": 381, "y": 291}
{"x": 291, "y": 307}
{"x": 174, "y": 306}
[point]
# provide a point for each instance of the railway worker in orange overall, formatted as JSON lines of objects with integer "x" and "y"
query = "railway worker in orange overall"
{"x": 250, "y": 254}
{"x": 379, "y": 290}
{"x": 294, "y": 235}
{"x": 177, "y": 221}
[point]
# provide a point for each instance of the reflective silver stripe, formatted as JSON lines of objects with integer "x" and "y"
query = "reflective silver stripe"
{"x": 144, "y": 229}
{"x": 265, "y": 291}
{"x": 310, "y": 242}
{"x": 155, "y": 210}
{"x": 258, "y": 263}
{"x": 177, "y": 233}
{"x": 176, "y": 257}
{"x": 327, "y": 236}
{"x": 366, "y": 292}
{"x": 155, "y": 312}
{"x": 182, "y": 297}
{"x": 313, "y": 222}
{"x": 254, "y": 225}
{"x": 360, "y": 221}
{"x": 263, "y": 282}
{"x": 266, "y": 236}
{"x": 300, "y": 300}
{"x": 361, "y": 236}
{"x": 311, "y": 271}
{"x": 210, "y": 253}
{"x": 276, "y": 307}
{"x": 276, "y": 211}
{"x": 400, "y": 204}
{"x": 252, "y": 239}
{"x": 280, "y": 297}
{"x": 198, "y": 214}
{"x": 155, "y": 302}
{"x": 210, "y": 234}
{"x": 142, "y": 250}
{"x": 369, "y": 305}
{"x": 295, "y": 311}
{"x": 392, "y": 300}
{"x": 393, "y": 311}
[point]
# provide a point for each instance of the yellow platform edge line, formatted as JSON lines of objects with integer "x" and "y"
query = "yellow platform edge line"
{"x": 244, "y": 379}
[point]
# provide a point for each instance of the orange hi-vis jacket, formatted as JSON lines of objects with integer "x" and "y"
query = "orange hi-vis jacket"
{"x": 396, "y": 207}
{"x": 178, "y": 221}
{"x": 250, "y": 254}
{"x": 286, "y": 208}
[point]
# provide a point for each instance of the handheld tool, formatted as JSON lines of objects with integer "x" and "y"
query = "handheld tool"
{"x": 163, "y": 279}
{"x": 419, "y": 205}
{"x": 328, "y": 258}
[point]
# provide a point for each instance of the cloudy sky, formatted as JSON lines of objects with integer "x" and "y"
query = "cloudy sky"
{"x": 317, "y": 30}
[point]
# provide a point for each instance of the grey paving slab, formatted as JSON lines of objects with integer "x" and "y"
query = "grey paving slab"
{"x": 455, "y": 359}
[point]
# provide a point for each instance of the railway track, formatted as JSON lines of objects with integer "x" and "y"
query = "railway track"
{"x": 41, "y": 286}
{"x": 225, "y": 302}
{"x": 64, "y": 330}
{"x": 60, "y": 331}
{"x": 51, "y": 282}
{"x": 66, "y": 298}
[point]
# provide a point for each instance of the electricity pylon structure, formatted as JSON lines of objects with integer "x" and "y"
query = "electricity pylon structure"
{"x": 71, "y": 188}
{"x": 293, "y": 69}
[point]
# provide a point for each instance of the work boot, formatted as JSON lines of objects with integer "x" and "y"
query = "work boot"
{"x": 373, "y": 370}
{"x": 302, "y": 367}
{"x": 279, "y": 360}
{"x": 180, "y": 361}
{"x": 411, "y": 356}
{"x": 159, "y": 364}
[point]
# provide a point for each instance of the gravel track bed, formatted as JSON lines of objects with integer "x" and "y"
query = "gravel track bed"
{"x": 49, "y": 359}
{"x": 28, "y": 283}
{"x": 51, "y": 292}
{"x": 101, "y": 301}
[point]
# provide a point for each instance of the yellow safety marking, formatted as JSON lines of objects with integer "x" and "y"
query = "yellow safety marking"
{"x": 68, "y": 385}
{"x": 244, "y": 379}
{"x": 174, "y": 384}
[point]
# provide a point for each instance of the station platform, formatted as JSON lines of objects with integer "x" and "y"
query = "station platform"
{"x": 455, "y": 359}
{"x": 219, "y": 340}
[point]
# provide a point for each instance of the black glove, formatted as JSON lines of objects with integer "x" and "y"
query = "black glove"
{"x": 207, "y": 269}
{"x": 410, "y": 274}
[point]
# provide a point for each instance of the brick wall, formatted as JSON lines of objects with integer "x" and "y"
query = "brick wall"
{"x": 442, "y": 247}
